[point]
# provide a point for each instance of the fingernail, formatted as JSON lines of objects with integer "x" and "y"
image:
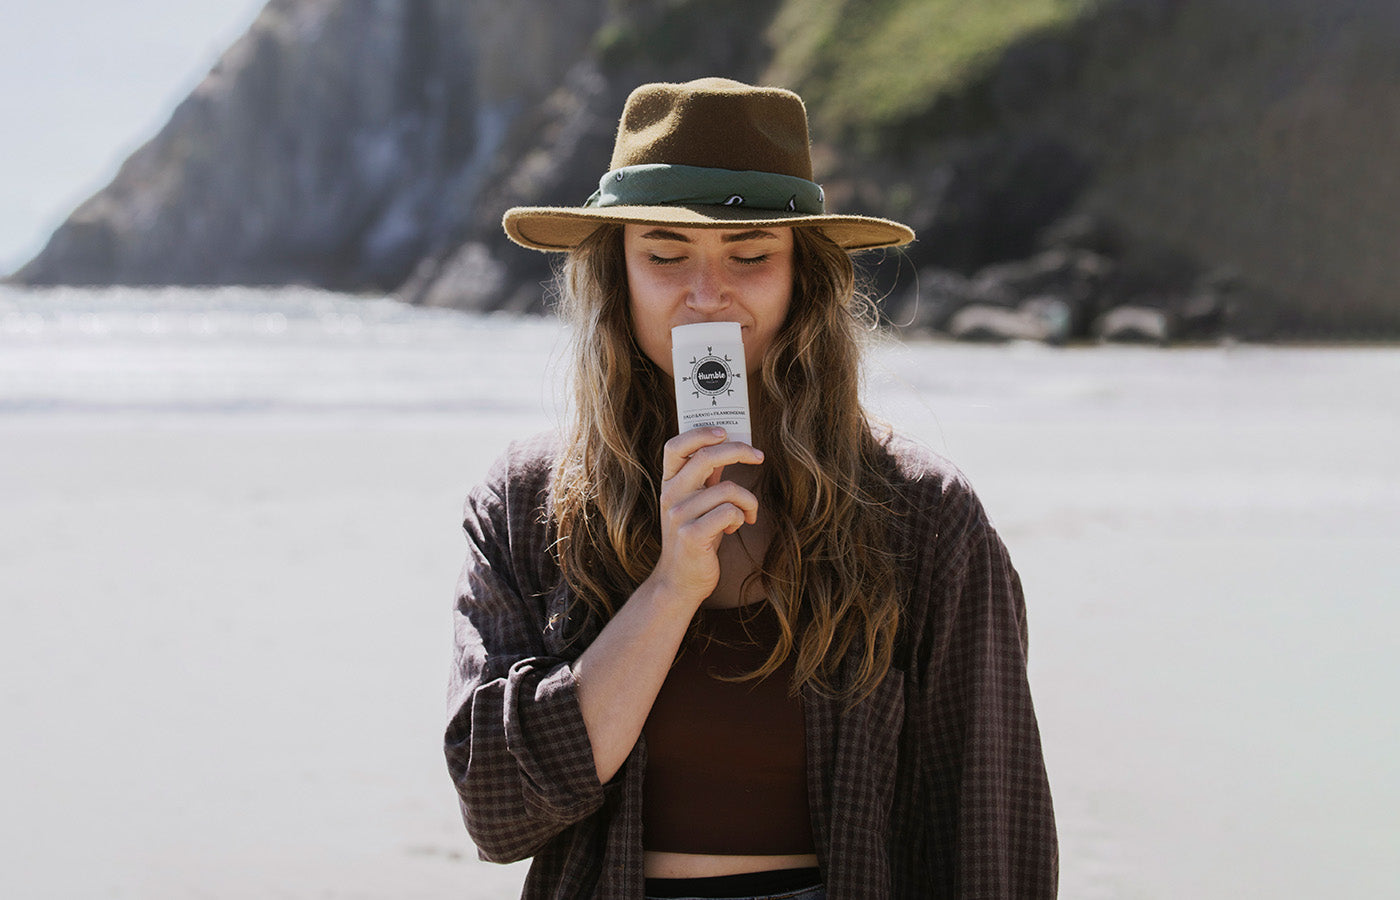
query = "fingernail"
{"x": 760, "y": 454}
{"x": 717, "y": 432}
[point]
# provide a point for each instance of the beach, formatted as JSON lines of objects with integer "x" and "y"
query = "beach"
{"x": 230, "y": 529}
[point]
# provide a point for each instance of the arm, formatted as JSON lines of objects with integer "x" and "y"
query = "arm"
{"x": 622, "y": 671}
{"x": 534, "y": 737}
{"x": 515, "y": 743}
{"x": 992, "y": 827}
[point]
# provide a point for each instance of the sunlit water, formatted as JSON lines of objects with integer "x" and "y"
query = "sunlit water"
{"x": 239, "y": 350}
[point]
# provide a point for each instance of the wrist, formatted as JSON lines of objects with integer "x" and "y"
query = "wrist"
{"x": 665, "y": 593}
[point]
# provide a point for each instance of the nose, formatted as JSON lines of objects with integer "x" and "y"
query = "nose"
{"x": 709, "y": 289}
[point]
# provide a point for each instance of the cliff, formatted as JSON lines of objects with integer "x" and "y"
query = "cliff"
{"x": 336, "y": 143}
{"x": 1204, "y": 166}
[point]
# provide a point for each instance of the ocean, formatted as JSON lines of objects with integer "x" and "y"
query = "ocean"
{"x": 237, "y": 351}
{"x": 229, "y": 535}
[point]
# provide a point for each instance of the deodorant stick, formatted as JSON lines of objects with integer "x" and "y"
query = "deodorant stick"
{"x": 711, "y": 379}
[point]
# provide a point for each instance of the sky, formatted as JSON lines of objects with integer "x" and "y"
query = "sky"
{"x": 82, "y": 85}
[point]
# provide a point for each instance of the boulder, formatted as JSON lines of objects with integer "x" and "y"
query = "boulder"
{"x": 1135, "y": 325}
{"x": 1076, "y": 278}
{"x": 1044, "y": 319}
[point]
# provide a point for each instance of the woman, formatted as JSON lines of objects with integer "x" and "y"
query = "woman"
{"x": 691, "y": 667}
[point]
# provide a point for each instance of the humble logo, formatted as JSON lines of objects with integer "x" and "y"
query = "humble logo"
{"x": 711, "y": 376}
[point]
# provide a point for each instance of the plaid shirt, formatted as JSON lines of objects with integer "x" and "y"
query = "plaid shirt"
{"x": 933, "y": 786}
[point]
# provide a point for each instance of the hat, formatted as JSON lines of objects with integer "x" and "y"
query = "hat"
{"x": 711, "y": 153}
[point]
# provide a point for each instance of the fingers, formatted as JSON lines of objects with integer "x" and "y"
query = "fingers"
{"x": 726, "y": 518}
{"x": 679, "y": 449}
{"x": 682, "y": 509}
{"x": 695, "y": 456}
{"x": 702, "y": 536}
{"x": 693, "y": 526}
{"x": 698, "y": 508}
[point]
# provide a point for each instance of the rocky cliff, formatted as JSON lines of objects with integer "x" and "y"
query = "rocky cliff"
{"x": 337, "y": 143}
{"x": 1194, "y": 166}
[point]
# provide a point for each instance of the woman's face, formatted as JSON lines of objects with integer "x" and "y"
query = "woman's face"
{"x": 680, "y": 276}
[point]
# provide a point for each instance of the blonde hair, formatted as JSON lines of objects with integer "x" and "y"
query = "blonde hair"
{"x": 826, "y": 481}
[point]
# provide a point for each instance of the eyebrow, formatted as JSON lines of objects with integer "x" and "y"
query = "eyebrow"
{"x": 755, "y": 234}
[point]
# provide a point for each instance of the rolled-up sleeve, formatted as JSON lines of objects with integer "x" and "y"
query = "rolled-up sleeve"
{"x": 516, "y": 744}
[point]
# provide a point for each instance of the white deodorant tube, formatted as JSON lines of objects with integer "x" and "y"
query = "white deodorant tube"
{"x": 711, "y": 380}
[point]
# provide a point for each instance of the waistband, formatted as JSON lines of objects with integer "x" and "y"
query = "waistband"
{"x": 748, "y": 884}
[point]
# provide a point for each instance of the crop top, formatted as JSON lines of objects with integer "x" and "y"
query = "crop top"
{"x": 726, "y": 767}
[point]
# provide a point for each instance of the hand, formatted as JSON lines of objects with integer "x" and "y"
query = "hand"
{"x": 698, "y": 508}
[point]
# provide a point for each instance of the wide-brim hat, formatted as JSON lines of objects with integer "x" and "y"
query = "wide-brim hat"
{"x": 711, "y": 153}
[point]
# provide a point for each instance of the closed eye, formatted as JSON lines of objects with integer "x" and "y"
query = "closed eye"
{"x": 663, "y": 260}
{"x": 752, "y": 260}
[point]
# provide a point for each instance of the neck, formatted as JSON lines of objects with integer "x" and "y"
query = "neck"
{"x": 744, "y": 476}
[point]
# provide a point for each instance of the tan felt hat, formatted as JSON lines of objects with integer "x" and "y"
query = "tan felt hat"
{"x": 711, "y": 153}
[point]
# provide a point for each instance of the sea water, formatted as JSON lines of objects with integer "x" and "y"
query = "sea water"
{"x": 241, "y": 350}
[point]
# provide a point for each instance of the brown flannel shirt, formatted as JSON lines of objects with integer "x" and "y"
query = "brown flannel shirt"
{"x": 934, "y": 786}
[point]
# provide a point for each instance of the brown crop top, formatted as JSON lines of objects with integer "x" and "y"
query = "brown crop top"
{"x": 727, "y": 761}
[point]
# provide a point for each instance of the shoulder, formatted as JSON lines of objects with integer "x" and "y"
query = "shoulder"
{"x": 525, "y": 466}
{"x": 526, "y": 462}
{"x": 929, "y": 485}
{"x": 916, "y": 462}
{"x": 941, "y": 527}
{"x": 506, "y": 517}
{"x": 516, "y": 485}
{"x": 958, "y": 571}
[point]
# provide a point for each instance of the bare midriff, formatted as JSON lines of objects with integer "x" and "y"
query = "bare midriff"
{"x": 664, "y": 864}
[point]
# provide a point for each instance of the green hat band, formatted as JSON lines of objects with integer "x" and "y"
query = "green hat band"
{"x": 663, "y": 185}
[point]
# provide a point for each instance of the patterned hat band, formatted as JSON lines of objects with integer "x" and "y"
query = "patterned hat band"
{"x": 665, "y": 185}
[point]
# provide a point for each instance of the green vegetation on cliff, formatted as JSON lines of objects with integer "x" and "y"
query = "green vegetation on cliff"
{"x": 876, "y": 63}
{"x": 860, "y": 64}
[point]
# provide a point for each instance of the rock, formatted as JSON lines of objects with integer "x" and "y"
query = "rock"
{"x": 570, "y": 135}
{"x": 1043, "y": 319}
{"x": 1076, "y": 278}
{"x": 932, "y": 300}
{"x": 1055, "y": 315}
{"x": 1088, "y": 231}
{"x": 470, "y": 278}
{"x": 986, "y": 200}
{"x": 988, "y": 324}
{"x": 1135, "y": 325}
{"x": 1151, "y": 275}
{"x": 1203, "y": 315}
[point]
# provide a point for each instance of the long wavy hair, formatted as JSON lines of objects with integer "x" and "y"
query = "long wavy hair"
{"x": 825, "y": 483}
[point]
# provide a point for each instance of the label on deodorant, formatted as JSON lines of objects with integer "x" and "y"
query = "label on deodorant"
{"x": 711, "y": 384}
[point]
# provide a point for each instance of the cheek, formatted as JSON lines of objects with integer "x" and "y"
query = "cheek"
{"x": 656, "y": 344}
{"x": 768, "y": 323}
{"x": 776, "y": 306}
{"x": 651, "y": 329}
{"x": 783, "y": 305}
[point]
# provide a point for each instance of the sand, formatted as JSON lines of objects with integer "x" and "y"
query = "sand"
{"x": 226, "y": 638}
